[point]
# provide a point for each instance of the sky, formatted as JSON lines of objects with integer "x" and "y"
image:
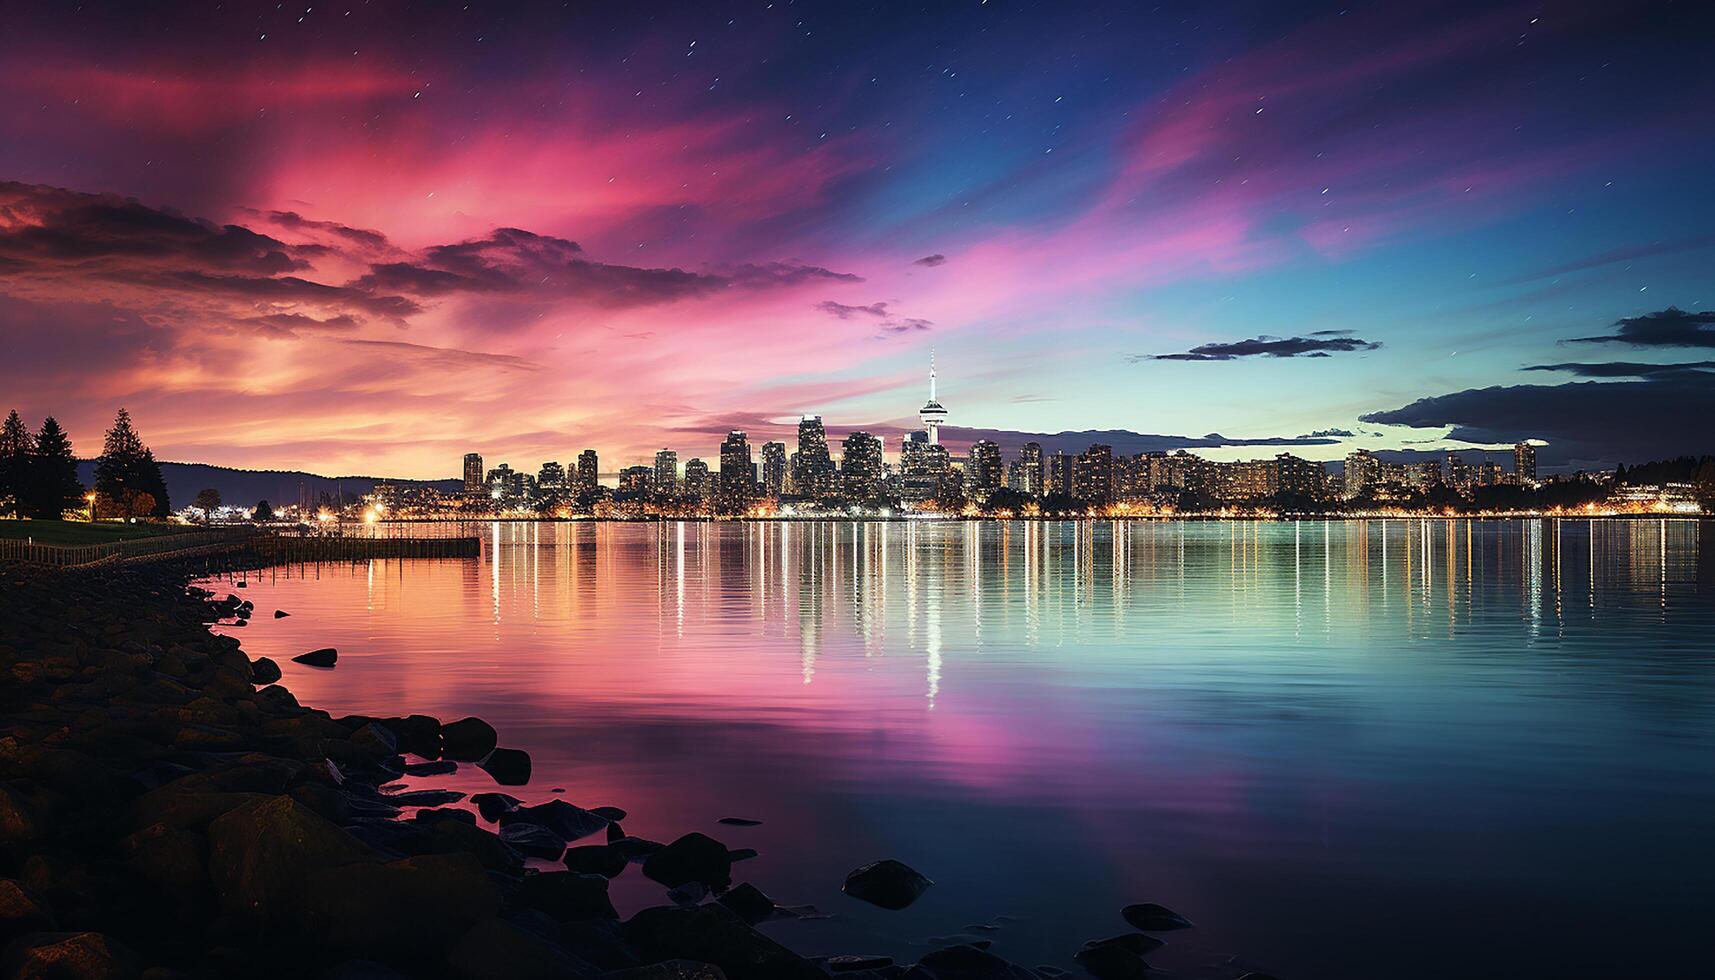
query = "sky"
{"x": 371, "y": 237}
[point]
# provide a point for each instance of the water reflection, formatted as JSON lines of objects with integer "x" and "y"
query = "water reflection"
{"x": 1327, "y": 741}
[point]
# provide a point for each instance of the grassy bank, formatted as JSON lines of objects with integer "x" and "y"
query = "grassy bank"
{"x": 84, "y": 532}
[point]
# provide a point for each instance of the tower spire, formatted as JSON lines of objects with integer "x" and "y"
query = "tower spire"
{"x": 931, "y": 374}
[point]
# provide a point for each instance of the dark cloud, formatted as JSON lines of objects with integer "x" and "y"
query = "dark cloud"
{"x": 297, "y": 222}
{"x": 289, "y": 290}
{"x": 1624, "y": 369}
{"x": 846, "y": 311}
{"x": 290, "y": 324}
{"x": 446, "y": 356}
{"x": 931, "y": 260}
{"x": 765, "y": 274}
{"x": 1672, "y": 327}
{"x": 1331, "y": 434}
{"x": 1585, "y": 423}
{"x": 1322, "y": 343}
{"x": 910, "y": 324}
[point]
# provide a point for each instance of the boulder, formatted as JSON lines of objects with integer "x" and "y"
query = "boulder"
{"x": 260, "y": 853}
{"x": 713, "y": 934}
{"x": 739, "y": 822}
{"x": 20, "y": 912}
{"x": 281, "y": 614}
{"x": 570, "y": 822}
{"x": 1111, "y": 962}
{"x": 494, "y": 949}
{"x": 419, "y": 735}
{"x": 468, "y": 739}
{"x": 264, "y": 671}
{"x": 20, "y": 820}
{"x": 888, "y": 883}
{"x": 425, "y": 797}
{"x": 67, "y": 956}
{"x": 610, "y": 813}
{"x": 693, "y": 857}
{"x": 325, "y": 657}
{"x": 748, "y": 903}
{"x": 669, "y": 970}
{"x": 567, "y": 897}
{"x": 967, "y": 962}
{"x": 532, "y": 840}
{"x": 361, "y": 970}
{"x": 1135, "y": 942}
{"x": 635, "y": 848}
{"x": 1149, "y": 917}
{"x": 439, "y": 767}
{"x": 597, "y": 859}
{"x": 849, "y": 963}
{"x": 407, "y": 909}
{"x": 493, "y": 805}
{"x": 509, "y": 767}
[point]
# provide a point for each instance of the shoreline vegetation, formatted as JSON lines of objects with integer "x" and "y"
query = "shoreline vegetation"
{"x": 168, "y": 810}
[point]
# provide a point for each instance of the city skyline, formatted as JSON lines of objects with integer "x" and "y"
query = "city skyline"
{"x": 310, "y": 238}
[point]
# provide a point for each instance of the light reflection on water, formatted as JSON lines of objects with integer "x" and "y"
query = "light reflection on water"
{"x": 1346, "y": 749}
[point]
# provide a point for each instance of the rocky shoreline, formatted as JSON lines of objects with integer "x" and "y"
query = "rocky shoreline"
{"x": 167, "y": 810}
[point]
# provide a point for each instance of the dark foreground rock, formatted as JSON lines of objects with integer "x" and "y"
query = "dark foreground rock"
{"x": 325, "y": 657}
{"x": 888, "y": 883}
{"x": 1149, "y": 917}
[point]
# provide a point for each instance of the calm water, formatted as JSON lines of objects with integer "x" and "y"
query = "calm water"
{"x": 1361, "y": 749}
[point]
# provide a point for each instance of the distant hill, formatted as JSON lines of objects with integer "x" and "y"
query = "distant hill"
{"x": 245, "y": 487}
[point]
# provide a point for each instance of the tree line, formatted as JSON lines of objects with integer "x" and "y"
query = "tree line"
{"x": 38, "y": 473}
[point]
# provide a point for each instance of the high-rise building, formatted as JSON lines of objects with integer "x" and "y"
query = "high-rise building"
{"x": 666, "y": 478}
{"x": 1524, "y": 464}
{"x": 1093, "y": 475}
{"x": 551, "y": 476}
{"x": 473, "y": 472}
{"x": 861, "y": 468}
{"x": 589, "y": 473}
{"x": 738, "y": 472}
{"x": 923, "y": 466}
{"x": 1026, "y": 473}
{"x": 1362, "y": 470}
{"x": 1489, "y": 474}
{"x": 1058, "y": 477}
{"x": 698, "y": 487}
{"x": 933, "y": 413}
{"x": 774, "y": 469}
{"x": 635, "y": 483}
{"x": 1459, "y": 474}
{"x": 983, "y": 469}
{"x": 813, "y": 473}
{"x": 1299, "y": 478}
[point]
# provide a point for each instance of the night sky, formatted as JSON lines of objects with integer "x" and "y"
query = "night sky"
{"x": 370, "y": 237}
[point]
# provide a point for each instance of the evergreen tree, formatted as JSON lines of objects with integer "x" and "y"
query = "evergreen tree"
{"x": 263, "y": 512}
{"x": 127, "y": 472}
{"x": 52, "y": 487}
{"x": 14, "y": 460}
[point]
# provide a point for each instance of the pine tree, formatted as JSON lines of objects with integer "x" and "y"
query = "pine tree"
{"x": 127, "y": 472}
{"x": 14, "y": 460}
{"x": 53, "y": 486}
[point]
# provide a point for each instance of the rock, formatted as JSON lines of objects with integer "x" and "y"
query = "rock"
{"x": 281, "y": 614}
{"x": 748, "y": 903}
{"x": 325, "y": 657}
{"x": 468, "y": 739}
{"x": 851, "y": 962}
{"x": 635, "y": 848}
{"x": 260, "y": 853}
{"x": 887, "y": 883}
{"x": 425, "y": 797}
{"x": 567, "y": 897}
{"x": 611, "y": 814}
{"x": 20, "y": 820}
{"x": 498, "y": 950}
{"x": 492, "y": 805}
{"x": 67, "y": 956}
{"x": 435, "y": 815}
{"x": 693, "y": 857}
{"x": 968, "y": 962}
{"x": 440, "y": 767}
{"x": 419, "y": 735}
{"x": 362, "y": 970}
{"x": 375, "y": 740}
{"x": 406, "y": 909}
{"x": 509, "y": 767}
{"x": 532, "y": 840}
{"x": 739, "y": 822}
{"x": 738, "y": 854}
{"x": 20, "y": 912}
{"x": 669, "y": 970}
{"x": 713, "y": 934}
{"x": 1253, "y": 975}
{"x": 570, "y": 822}
{"x": 1135, "y": 942}
{"x": 1150, "y": 917}
{"x": 690, "y": 894}
{"x": 264, "y": 671}
{"x": 1111, "y": 962}
{"x": 598, "y": 859}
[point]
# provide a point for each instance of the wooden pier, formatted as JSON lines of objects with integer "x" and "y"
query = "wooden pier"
{"x": 298, "y": 550}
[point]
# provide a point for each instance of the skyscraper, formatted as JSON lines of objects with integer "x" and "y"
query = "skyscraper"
{"x": 666, "y": 472}
{"x": 589, "y": 473}
{"x": 473, "y": 473}
{"x": 1362, "y": 470}
{"x": 774, "y": 468}
{"x": 983, "y": 469}
{"x": 932, "y": 413}
{"x": 738, "y": 472}
{"x": 1058, "y": 478}
{"x": 1093, "y": 475}
{"x": 813, "y": 473}
{"x": 551, "y": 475}
{"x": 861, "y": 466}
{"x": 923, "y": 465}
{"x": 1524, "y": 464}
{"x": 698, "y": 488}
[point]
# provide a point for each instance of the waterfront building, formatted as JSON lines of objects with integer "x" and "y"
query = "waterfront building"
{"x": 473, "y": 482}
{"x": 813, "y": 473}
{"x": 1363, "y": 470}
{"x": 861, "y": 467}
{"x": 774, "y": 470}
{"x": 1459, "y": 475}
{"x": 983, "y": 469}
{"x": 1093, "y": 475}
{"x": 666, "y": 477}
{"x": 738, "y": 473}
{"x": 1058, "y": 479}
{"x": 1524, "y": 464}
{"x": 1423, "y": 474}
{"x": 635, "y": 483}
{"x": 551, "y": 476}
{"x": 1490, "y": 474}
{"x": 1025, "y": 473}
{"x": 923, "y": 466}
{"x": 589, "y": 473}
{"x": 1299, "y": 478}
{"x": 698, "y": 487}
